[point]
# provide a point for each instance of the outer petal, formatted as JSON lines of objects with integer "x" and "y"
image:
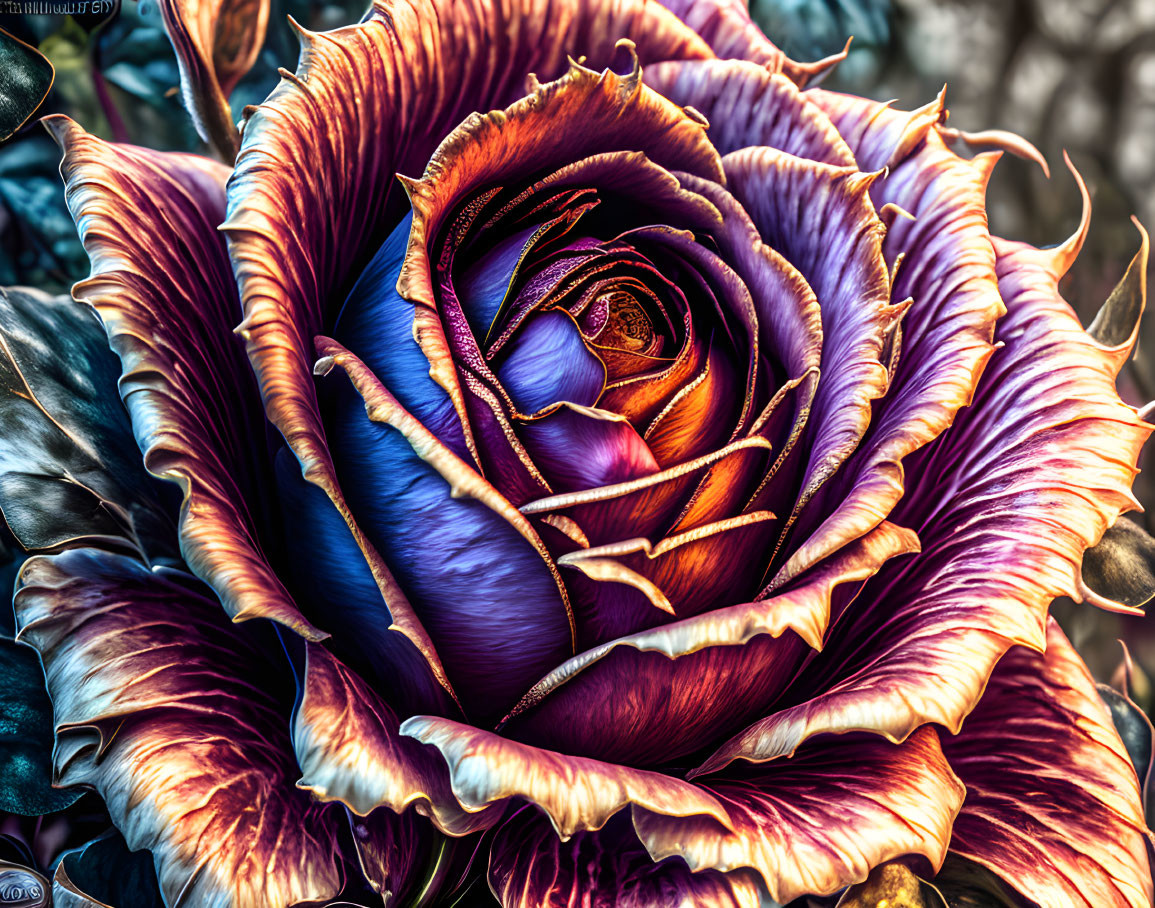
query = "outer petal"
{"x": 177, "y": 719}
{"x": 1053, "y": 804}
{"x": 947, "y": 269}
{"x": 1005, "y": 504}
{"x": 654, "y": 697}
{"x": 822, "y": 819}
{"x": 347, "y": 743}
{"x": 574, "y": 792}
{"x": 215, "y": 42}
{"x": 749, "y": 105}
{"x": 161, "y": 283}
{"x": 530, "y": 867}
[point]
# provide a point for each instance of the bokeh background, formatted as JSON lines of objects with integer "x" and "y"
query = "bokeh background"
{"x": 1074, "y": 75}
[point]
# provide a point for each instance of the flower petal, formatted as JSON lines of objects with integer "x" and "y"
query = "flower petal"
{"x": 327, "y": 572}
{"x": 1005, "y": 503}
{"x": 70, "y": 470}
{"x": 216, "y": 42}
{"x": 162, "y": 285}
{"x": 574, "y": 792}
{"x": 1052, "y": 805}
{"x": 477, "y": 571}
{"x": 178, "y": 719}
{"x": 822, "y": 819}
{"x": 347, "y": 744}
{"x": 749, "y": 105}
{"x": 822, "y": 220}
{"x": 655, "y": 696}
{"x": 947, "y": 269}
{"x": 530, "y": 867}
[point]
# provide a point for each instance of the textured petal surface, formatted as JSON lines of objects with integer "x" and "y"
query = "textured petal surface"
{"x": 162, "y": 285}
{"x": 1053, "y": 804}
{"x": 70, "y": 469}
{"x": 347, "y": 744}
{"x": 748, "y": 105}
{"x": 530, "y": 867}
{"x": 479, "y": 574}
{"x": 822, "y": 819}
{"x": 1005, "y": 503}
{"x": 945, "y": 265}
{"x": 179, "y": 720}
{"x": 655, "y": 696}
{"x": 574, "y": 792}
{"x": 822, "y": 220}
{"x": 215, "y": 42}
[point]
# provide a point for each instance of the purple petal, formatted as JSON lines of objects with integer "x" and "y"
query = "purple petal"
{"x": 1005, "y": 503}
{"x": 547, "y": 362}
{"x": 585, "y": 448}
{"x": 947, "y": 269}
{"x": 748, "y": 105}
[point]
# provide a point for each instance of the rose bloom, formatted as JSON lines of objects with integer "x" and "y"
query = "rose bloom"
{"x": 657, "y": 502}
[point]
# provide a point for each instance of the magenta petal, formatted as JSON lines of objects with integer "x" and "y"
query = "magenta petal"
{"x": 822, "y": 819}
{"x": 654, "y": 696}
{"x": 177, "y": 717}
{"x": 162, "y": 284}
{"x": 530, "y": 867}
{"x": 1052, "y": 806}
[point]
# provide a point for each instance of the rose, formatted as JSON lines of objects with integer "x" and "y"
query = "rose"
{"x": 674, "y": 494}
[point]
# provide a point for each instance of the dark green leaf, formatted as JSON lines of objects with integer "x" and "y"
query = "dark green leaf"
{"x": 105, "y": 872}
{"x": 1134, "y": 728}
{"x": 70, "y": 468}
{"x": 1122, "y": 566}
{"x": 25, "y": 77}
{"x": 26, "y": 736}
{"x": 1117, "y": 319}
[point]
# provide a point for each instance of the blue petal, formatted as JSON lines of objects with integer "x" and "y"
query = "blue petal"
{"x": 335, "y": 586}
{"x": 548, "y": 362}
{"x": 376, "y": 323}
{"x": 482, "y": 286}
